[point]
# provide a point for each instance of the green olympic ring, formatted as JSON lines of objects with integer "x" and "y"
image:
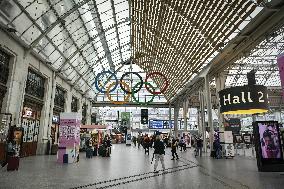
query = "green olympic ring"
{"x": 137, "y": 101}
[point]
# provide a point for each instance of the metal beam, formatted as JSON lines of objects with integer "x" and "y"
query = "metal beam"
{"x": 49, "y": 40}
{"x": 97, "y": 19}
{"x": 59, "y": 20}
{"x": 268, "y": 22}
{"x": 99, "y": 60}
{"x": 116, "y": 28}
{"x": 131, "y": 104}
{"x": 73, "y": 41}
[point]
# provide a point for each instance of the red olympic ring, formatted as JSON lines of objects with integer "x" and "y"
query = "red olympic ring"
{"x": 156, "y": 73}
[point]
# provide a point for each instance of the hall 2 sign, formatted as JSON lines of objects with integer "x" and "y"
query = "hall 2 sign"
{"x": 246, "y": 99}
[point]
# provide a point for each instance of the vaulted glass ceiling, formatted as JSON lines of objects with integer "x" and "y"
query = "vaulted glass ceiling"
{"x": 81, "y": 38}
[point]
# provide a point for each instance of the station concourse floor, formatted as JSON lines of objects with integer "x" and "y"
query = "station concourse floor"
{"x": 136, "y": 171}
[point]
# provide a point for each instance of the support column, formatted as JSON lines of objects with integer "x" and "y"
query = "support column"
{"x": 170, "y": 119}
{"x": 185, "y": 112}
{"x": 220, "y": 85}
{"x": 209, "y": 109}
{"x": 201, "y": 128}
{"x": 176, "y": 113}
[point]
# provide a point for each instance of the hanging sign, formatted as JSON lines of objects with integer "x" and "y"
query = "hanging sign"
{"x": 248, "y": 99}
{"x": 144, "y": 116}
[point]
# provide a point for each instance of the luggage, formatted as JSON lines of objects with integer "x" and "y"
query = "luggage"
{"x": 13, "y": 163}
{"x": 213, "y": 154}
{"x": 89, "y": 153}
{"x": 65, "y": 158}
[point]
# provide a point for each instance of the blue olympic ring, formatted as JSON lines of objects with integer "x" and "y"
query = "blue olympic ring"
{"x": 97, "y": 82}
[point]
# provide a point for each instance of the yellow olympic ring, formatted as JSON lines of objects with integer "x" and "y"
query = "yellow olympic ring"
{"x": 126, "y": 98}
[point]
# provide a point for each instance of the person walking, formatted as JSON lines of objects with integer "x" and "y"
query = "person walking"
{"x": 134, "y": 140}
{"x": 182, "y": 144}
{"x": 159, "y": 152}
{"x": 174, "y": 149}
{"x": 146, "y": 144}
{"x": 139, "y": 141}
{"x": 199, "y": 146}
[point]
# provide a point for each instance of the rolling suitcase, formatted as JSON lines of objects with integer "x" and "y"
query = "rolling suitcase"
{"x": 13, "y": 163}
{"x": 89, "y": 153}
{"x": 95, "y": 153}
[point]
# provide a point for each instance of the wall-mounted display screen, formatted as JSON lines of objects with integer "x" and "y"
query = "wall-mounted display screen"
{"x": 269, "y": 140}
{"x": 161, "y": 124}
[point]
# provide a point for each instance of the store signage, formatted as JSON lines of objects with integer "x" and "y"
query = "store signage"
{"x": 234, "y": 125}
{"x": 28, "y": 112}
{"x": 248, "y": 99}
{"x": 55, "y": 119}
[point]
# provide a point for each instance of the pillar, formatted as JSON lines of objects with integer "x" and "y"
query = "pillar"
{"x": 207, "y": 96}
{"x": 201, "y": 128}
{"x": 170, "y": 119}
{"x": 220, "y": 80}
{"x": 176, "y": 114}
{"x": 185, "y": 112}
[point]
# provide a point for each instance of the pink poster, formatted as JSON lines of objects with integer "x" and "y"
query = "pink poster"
{"x": 280, "y": 61}
{"x": 69, "y": 137}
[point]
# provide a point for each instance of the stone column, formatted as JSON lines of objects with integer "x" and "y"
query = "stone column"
{"x": 201, "y": 128}
{"x": 220, "y": 85}
{"x": 176, "y": 114}
{"x": 209, "y": 108}
{"x": 170, "y": 119}
{"x": 185, "y": 112}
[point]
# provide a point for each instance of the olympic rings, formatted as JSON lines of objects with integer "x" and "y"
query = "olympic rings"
{"x": 128, "y": 91}
{"x": 97, "y": 83}
{"x": 156, "y": 73}
{"x": 143, "y": 103}
{"x": 124, "y": 86}
{"x": 126, "y": 98}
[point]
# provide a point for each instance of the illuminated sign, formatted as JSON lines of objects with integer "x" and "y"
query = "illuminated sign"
{"x": 248, "y": 99}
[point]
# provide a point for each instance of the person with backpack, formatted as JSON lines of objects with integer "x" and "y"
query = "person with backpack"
{"x": 159, "y": 152}
{"x": 174, "y": 149}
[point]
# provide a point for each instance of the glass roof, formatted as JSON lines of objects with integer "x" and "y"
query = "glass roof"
{"x": 79, "y": 38}
{"x": 263, "y": 59}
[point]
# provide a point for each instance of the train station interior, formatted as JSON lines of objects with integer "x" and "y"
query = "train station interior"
{"x": 158, "y": 94}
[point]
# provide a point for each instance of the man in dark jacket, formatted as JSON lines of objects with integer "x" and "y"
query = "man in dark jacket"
{"x": 159, "y": 152}
{"x": 199, "y": 146}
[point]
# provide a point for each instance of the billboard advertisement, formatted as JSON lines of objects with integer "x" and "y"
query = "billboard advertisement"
{"x": 269, "y": 140}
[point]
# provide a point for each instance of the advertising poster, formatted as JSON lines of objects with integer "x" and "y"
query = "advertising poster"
{"x": 125, "y": 119}
{"x": 69, "y": 137}
{"x": 269, "y": 140}
{"x": 247, "y": 139}
{"x": 238, "y": 139}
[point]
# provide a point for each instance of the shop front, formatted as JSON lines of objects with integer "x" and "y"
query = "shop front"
{"x": 59, "y": 102}
{"x": 31, "y": 112}
{"x": 4, "y": 70}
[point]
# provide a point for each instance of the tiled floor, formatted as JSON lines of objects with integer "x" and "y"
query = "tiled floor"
{"x": 135, "y": 169}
